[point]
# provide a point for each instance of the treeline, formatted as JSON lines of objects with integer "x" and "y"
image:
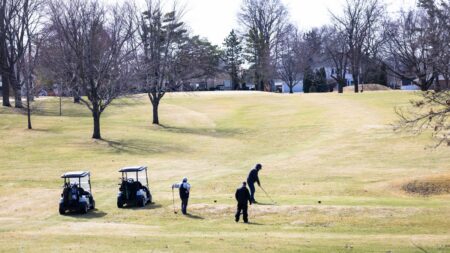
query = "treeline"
{"x": 363, "y": 40}
{"x": 97, "y": 52}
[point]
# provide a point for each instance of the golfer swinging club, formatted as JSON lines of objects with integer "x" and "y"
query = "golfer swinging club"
{"x": 184, "y": 187}
{"x": 251, "y": 179}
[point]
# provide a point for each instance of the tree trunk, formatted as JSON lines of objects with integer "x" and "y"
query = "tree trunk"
{"x": 155, "y": 105}
{"x": 423, "y": 85}
{"x": 29, "y": 110}
{"x": 235, "y": 84}
{"x": 356, "y": 82}
{"x": 18, "y": 98}
{"x": 5, "y": 91}
{"x": 76, "y": 99}
{"x": 96, "y": 115}
{"x": 16, "y": 88}
{"x": 340, "y": 88}
{"x": 3, "y": 57}
{"x": 437, "y": 85}
{"x": 60, "y": 105}
{"x": 291, "y": 89}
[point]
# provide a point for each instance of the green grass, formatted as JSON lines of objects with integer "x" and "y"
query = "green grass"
{"x": 339, "y": 149}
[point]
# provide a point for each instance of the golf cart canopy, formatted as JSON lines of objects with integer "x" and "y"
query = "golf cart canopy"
{"x": 80, "y": 178}
{"x": 133, "y": 169}
{"x": 136, "y": 173}
{"x": 75, "y": 174}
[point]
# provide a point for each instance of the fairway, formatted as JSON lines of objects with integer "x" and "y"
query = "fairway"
{"x": 336, "y": 149}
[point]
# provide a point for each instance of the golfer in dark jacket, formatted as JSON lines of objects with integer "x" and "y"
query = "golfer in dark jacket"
{"x": 252, "y": 178}
{"x": 243, "y": 198}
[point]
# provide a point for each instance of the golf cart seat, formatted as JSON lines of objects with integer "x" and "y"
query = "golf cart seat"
{"x": 137, "y": 185}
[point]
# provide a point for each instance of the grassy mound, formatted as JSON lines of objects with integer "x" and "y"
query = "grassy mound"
{"x": 331, "y": 148}
{"x": 368, "y": 87}
{"x": 429, "y": 186}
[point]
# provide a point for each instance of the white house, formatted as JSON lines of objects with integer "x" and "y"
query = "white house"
{"x": 284, "y": 88}
{"x": 331, "y": 72}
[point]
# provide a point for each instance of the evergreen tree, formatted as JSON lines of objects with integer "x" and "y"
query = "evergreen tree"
{"x": 232, "y": 56}
{"x": 308, "y": 80}
{"x": 320, "y": 81}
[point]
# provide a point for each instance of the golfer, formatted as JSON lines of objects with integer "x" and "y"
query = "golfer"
{"x": 243, "y": 198}
{"x": 185, "y": 188}
{"x": 251, "y": 179}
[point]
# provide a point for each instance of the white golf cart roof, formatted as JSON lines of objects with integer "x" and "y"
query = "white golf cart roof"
{"x": 75, "y": 174}
{"x": 133, "y": 169}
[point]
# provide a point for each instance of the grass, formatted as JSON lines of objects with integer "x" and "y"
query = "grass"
{"x": 337, "y": 149}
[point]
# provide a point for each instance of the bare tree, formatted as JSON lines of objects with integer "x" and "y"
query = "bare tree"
{"x": 360, "y": 24}
{"x": 29, "y": 61}
{"x": 431, "y": 112}
{"x": 423, "y": 48}
{"x": 96, "y": 40}
{"x": 438, "y": 30}
{"x": 170, "y": 57}
{"x": 18, "y": 17}
{"x": 290, "y": 62}
{"x": 263, "y": 23}
{"x": 337, "y": 51}
{"x": 162, "y": 34}
{"x": 410, "y": 54}
{"x": 3, "y": 54}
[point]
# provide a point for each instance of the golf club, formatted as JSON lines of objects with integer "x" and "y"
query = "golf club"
{"x": 267, "y": 195}
{"x": 173, "y": 202}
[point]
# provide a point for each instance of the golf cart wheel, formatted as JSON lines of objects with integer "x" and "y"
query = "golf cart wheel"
{"x": 150, "y": 199}
{"x": 141, "y": 202}
{"x": 93, "y": 204}
{"x": 119, "y": 203}
{"x": 84, "y": 208}
{"x": 62, "y": 211}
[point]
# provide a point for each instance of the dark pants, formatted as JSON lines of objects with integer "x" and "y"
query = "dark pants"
{"x": 184, "y": 204}
{"x": 242, "y": 208}
{"x": 251, "y": 185}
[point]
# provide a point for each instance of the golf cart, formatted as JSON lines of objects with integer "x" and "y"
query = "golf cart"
{"x": 134, "y": 187}
{"x": 77, "y": 194}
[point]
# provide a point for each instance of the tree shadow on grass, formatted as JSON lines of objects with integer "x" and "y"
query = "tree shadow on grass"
{"x": 92, "y": 214}
{"x": 265, "y": 204}
{"x": 210, "y": 132}
{"x": 142, "y": 147}
{"x": 255, "y": 224}
{"x": 40, "y": 130}
{"x": 151, "y": 206}
{"x": 194, "y": 217}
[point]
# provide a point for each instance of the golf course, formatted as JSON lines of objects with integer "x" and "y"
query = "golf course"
{"x": 332, "y": 163}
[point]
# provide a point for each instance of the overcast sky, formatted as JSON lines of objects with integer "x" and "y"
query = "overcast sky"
{"x": 214, "y": 19}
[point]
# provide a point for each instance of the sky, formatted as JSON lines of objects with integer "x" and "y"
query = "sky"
{"x": 214, "y": 19}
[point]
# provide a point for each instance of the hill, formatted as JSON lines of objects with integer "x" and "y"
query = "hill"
{"x": 368, "y": 87}
{"x": 336, "y": 149}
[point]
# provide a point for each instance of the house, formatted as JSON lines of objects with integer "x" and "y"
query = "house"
{"x": 398, "y": 83}
{"x": 408, "y": 83}
{"x": 282, "y": 87}
{"x": 330, "y": 72}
